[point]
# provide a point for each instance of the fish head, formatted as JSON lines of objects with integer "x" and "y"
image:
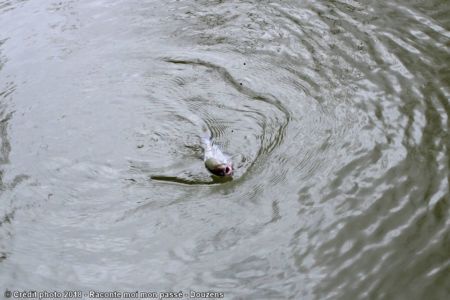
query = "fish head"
{"x": 223, "y": 170}
{"x": 219, "y": 168}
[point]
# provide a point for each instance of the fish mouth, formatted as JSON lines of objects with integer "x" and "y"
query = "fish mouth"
{"x": 228, "y": 171}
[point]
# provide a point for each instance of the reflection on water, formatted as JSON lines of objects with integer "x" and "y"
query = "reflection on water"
{"x": 335, "y": 114}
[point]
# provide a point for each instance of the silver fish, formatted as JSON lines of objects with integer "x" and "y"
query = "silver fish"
{"x": 215, "y": 161}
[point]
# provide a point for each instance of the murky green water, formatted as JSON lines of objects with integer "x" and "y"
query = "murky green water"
{"x": 336, "y": 114}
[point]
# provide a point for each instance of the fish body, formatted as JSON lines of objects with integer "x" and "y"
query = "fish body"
{"x": 215, "y": 161}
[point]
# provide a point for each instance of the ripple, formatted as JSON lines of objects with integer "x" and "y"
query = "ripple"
{"x": 335, "y": 113}
{"x": 271, "y": 127}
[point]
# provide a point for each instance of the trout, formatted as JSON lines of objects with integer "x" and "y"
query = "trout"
{"x": 215, "y": 161}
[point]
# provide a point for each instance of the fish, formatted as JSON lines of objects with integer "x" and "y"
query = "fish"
{"x": 215, "y": 160}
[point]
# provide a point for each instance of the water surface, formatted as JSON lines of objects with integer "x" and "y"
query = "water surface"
{"x": 336, "y": 115}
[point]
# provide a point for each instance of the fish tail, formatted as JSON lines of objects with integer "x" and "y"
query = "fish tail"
{"x": 206, "y": 143}
{"x": 206, "y": 136}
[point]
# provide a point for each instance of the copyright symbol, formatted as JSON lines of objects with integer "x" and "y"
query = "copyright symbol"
{"x": 7, "y": 294}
